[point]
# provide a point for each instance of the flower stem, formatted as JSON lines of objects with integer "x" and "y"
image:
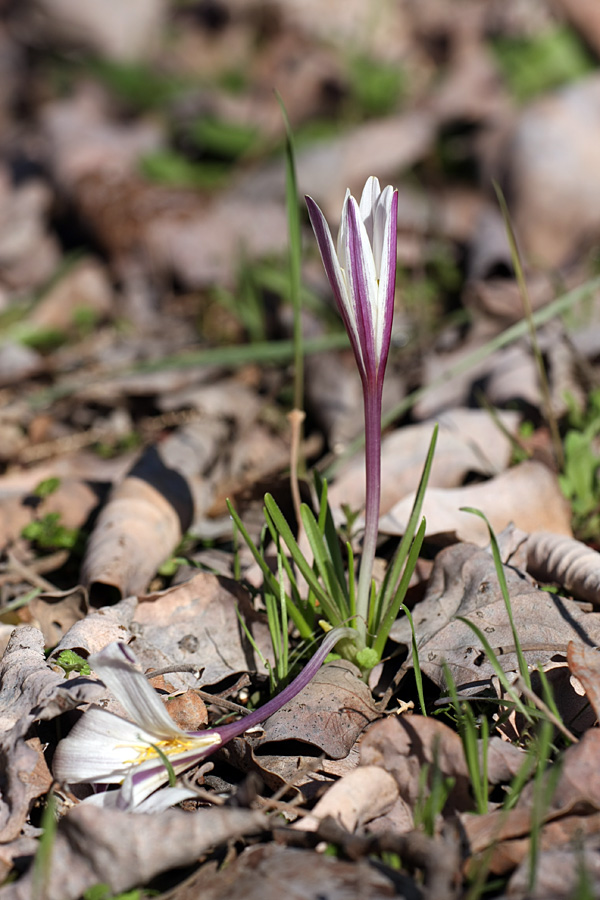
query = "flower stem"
{"x": 372, "y": 405}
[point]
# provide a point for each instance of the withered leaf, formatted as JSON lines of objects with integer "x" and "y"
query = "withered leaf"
{"x": 464, "y": 583}
{"x": 196, "y": 622}
{"x": 124, "y": 850}
{"x": 55, "y": 612}
{"x": 528, "y": 495}
{"x": 329, "y": 713}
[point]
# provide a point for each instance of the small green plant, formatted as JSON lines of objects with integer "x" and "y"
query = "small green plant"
{"x": 578, "y": 480}
{"x": 377, "y": 87}
{"x": 72, "y": 662}
{"x": 537, "y": 64}
{"x": 49, "y": 534}
{"x": 46, "y": 488}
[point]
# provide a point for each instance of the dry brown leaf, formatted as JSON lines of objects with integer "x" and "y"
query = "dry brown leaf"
{"x": 28, "y": 254}
{"x": 553, "y": 176}
{"x": 99, "y": 628}
{"x": 187, "y": 710}
{"x": 84, "y": 287}
{"x": 54, "y": 613}
{"x": 196, "y": 622}
{"x": 93, "y": 844}
{"x": 564, "y": 561}
{"x": 124, "y": 33}
{"x": 329, "y": 713}
{"x": 464, "y": 583}
{"x": 268, "y": 872}
{"x": 354, "y": 800}
{"x": 527, "y": 495}
{"x": 559, "y": 872}
{"x": 303, "y": 775}
{"x": 403, "y": 745}
{"x": 137, "y": 530}
{"x": 468, "y": 441}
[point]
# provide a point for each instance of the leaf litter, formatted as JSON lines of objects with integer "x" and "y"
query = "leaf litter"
{"x": 143, "y": 225}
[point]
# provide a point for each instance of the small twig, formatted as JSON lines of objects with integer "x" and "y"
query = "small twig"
{"x": 204, "y": 695}
{"x": 175, "y": 667}
{"x": 27, "y": 573}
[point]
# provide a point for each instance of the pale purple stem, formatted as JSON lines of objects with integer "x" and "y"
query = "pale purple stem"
{"x": 234, "y": 729}
{"x": 372, "y": 406}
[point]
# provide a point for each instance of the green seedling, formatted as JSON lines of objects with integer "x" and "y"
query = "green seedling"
{"x": 72, "y": 662}
{"x": 538, "y": 64}
{"x": 49, "y": 534}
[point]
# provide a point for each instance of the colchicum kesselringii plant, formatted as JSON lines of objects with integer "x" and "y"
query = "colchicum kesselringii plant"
{"x": 145, "y": 753}
{"x": 362, "y": 275}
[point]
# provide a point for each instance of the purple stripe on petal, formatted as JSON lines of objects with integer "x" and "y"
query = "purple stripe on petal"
{"x": 334, "y": 274}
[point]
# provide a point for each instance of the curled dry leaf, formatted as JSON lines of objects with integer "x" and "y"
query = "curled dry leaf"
{"x": 564, "y": 561}
{"x": 329, "y": 713}
{"x": 528, "y": 495}
{"x": 303, "y": 775}
{"x": 138, "y": 529}
{"x": 464, "y": 583}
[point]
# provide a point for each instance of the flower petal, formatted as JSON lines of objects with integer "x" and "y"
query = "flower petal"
{"x": 381, "y": 214}
{"x": 115, "y": 666}
{"x": 146, "y": 778}
{"x": 387, "y": 284}
{"x": 100, "y": 748}
{"x": 362, "y": 286}
{"x": 368, "y": 204}
{"x": 334, "y": 272}
{"x": 158, "y": 802}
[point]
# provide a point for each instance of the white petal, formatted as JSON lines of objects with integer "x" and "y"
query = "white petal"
{"x": 335, "y": 273}
{"x": 362, "y": 283}
{"x": 368, "y": 204}
{"x": 115, "y": 665}
{"x": 158, "y": 802}
{"x": 381, "y": 214}
{"x": 101, "y": 748}
{"x": 149, "y": 776}
{"x": 341, "y": 238}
